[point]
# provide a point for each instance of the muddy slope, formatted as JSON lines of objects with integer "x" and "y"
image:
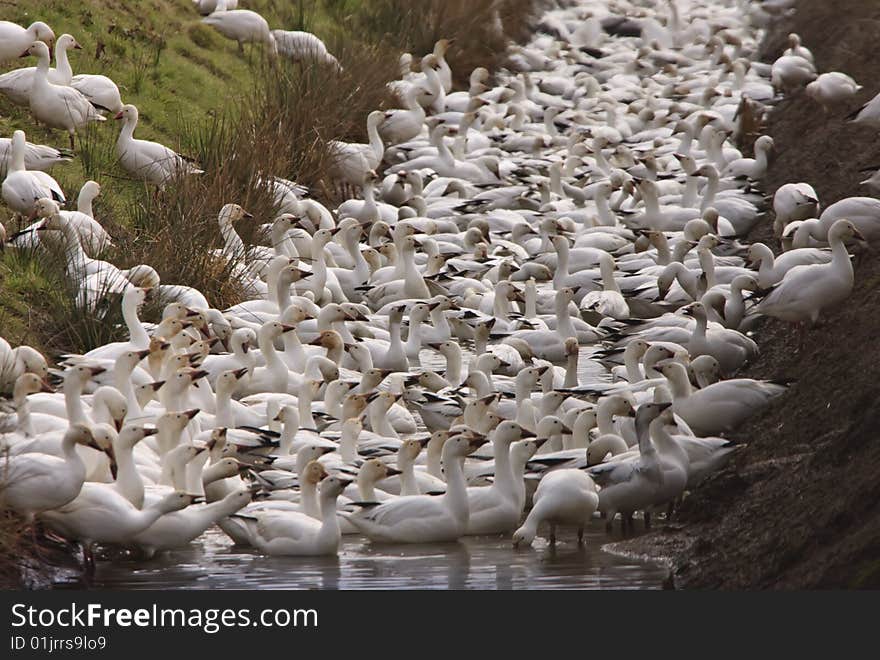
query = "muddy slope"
{"x": 800, "y": 506}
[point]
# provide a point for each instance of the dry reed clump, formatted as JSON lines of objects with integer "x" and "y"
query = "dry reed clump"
{"x": 18, "y": 551}
{"x": 481, "y": 28}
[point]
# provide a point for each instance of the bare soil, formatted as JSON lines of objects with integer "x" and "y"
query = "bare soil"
{"x": 799, "y": 507}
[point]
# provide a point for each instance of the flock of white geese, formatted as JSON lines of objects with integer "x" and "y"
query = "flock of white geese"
{"x": 537, "y": 304}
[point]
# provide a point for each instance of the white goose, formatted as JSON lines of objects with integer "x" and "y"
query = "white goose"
{"x": 807, "y": 290}
{"x": 303, "y": 47}
{"x": 293, "y": 533}
{"x": 563, "y": 497}
{"x": 14, "y": 39}
{"x": 16, "y": 84}
{"x": 34, "y": 482}
{"x": 36, "y": 156}
{"x": 22, "y": 188}
{"x": 496, "y": 509}
{"x": 353, "y": 162}
{"x": 241, "y": 25}
{"x": 832, "y": 88}
{"x": 142, "y": 159}
{"x": 721, "y": 406}
{"x": 424, "y": 518}
{"x": 55, "y": 105}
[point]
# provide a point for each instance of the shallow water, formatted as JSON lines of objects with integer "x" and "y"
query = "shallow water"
{"x": 212, "y": 562}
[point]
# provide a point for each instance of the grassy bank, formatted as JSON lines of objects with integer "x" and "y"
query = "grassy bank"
{"x": 238, "y": 115}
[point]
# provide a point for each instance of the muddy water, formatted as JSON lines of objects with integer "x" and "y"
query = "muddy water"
{"x": 474, "y": 563}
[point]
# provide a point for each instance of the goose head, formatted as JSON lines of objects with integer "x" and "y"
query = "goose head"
{"x": 462, "y": 445}
{"x": 29, "y": 383}
{"x": 132, "y": 434}
{"x": 314, "y": 473}
{"x": 332, "y": 486}
{"x": 174, "y": 422}
{"x": 696, "y": 310}
{"x": 228, "y": 381}
{"x": 509, "y": 432}
{"x": 374, "y": 470}
{"x": 41, "y": 32}
{"x": 409, "y": 451}
{"x": 39, "y": 49}
{"x": 129, "y": 114}
{"x": 843, "y": 230}
{"x": 230, "y": 213}
{"x": 81, "y": 434}
{"x": 66, "y": 42}
{"x": 551, "y": 426}
{"x": 329, "y": 339}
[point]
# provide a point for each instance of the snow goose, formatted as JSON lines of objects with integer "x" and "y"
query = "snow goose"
{"x": 178, "y": 528}
{"x": 241, "y": 25}
{"x": 862, "y": 212}
{"x": 628, "y": 485}
{"x": 563, "y": 497}
{"x": 807, "y": 290}
{"x": 790, "y": 72}
{"x": 425, "y": 518}
{"x": 795, "y": 48}
{"x": 93, "y": 237}
{"x": 16, "y": 85}
{"x": 206, "y": 7}
{"x": 609, "y": 302}
{"x": 14, "y": 39}
{"x": 303, "y": 47}
{"x": 22, "y": 188}
{"x": 772, "y": 269}
{"x": 35, "y": 482}
{"x": 793, "y": 201}
{"x": 16, "y": 419}
{"x": 400, "y": 126}
{"x": 832, "y": 88}
{"x": 294, "y": 533}
{"x": 721, "y": 406}
{"x": 100, "y": 515}
{"x": 55, "y": 105}
{"x": 142, "y": 159}
{"x": 495, "y": 509}
{"x": 352, "y": 162}
{"x": 868, "y": 114}
{"x": 36, "y": 156}
{"x": 752, "y": 168}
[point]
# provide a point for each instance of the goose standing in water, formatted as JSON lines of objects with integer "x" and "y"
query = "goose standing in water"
{"x": 425, "y": 518}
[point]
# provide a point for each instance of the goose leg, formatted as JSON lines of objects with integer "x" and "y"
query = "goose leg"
{"x": 88, "y": 560}
{"x": 552, "y": 534}
{"x": 72, "y": 145}
{"x": 580, "y": 536}
{"x": 647, "y": 520}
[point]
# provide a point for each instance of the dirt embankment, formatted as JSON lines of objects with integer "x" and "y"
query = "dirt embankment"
{"x": 800, "y": 506}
